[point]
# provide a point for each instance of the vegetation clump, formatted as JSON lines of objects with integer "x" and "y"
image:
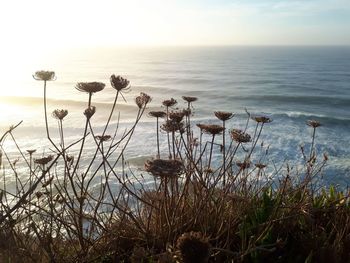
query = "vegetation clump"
{"x": 202, "y": 198}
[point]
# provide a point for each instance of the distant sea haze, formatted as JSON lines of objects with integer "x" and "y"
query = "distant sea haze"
{"x": 289, "y": 84}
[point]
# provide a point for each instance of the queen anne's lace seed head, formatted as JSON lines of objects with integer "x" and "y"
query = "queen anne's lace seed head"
{"x": 90, "y": 87}
{"x": 119, "y": 83}
{"x": 44, "y": 75}
{"x": 59, "y": 114}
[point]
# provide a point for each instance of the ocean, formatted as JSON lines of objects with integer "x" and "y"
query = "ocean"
{"x": 291, "y": 85}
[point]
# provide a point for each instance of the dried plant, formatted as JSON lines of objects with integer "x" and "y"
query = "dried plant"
{"x": 202, "y": 204}
{"x": 90, "y": 87}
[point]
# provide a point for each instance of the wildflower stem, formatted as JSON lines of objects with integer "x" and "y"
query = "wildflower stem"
{"x": 312, "y": 142}
{"x": 83, "y": 141}
{"x": 46, "y": 122}
{"x": 211, "y": 150}
{"x": 167, "y": 118}
{"x": 223, "y": 153}
{"x": 158, "y": 156}
{"x": 111, "y": 113}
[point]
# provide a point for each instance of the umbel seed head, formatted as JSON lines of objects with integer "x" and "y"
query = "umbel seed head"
{"x": 43, "y": 160}
{"x": 213, "y": 129}
{"x": 119, "y": 83}
{"x": 89, "y": 112}
{"x": 169, "y": 103}
{"x": 142, "y": 100}
{"x": 59, "y": 114}
{"x": 103, "y": 138}
{"x": 313, "y": 123}
{"x": 164, "y": 168}
{"x": 189, "y": 99}
{"x": 240, "y": 136}
{"x": 223, "y": 115}
{"x": 90, "y": 87}
{"x": 262, "y": 119}
{"x": 44, "y": 75}
{"x": 157, "y": 114}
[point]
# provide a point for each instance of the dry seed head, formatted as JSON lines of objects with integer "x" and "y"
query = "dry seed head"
{"x": 243, "y": 165}
{"x": 70, "y": 159}
{"x": 38, "y": 194}
{"x": 157, "y": 114}
{"x": 176, "y": 116}
{"x": 313, "y": 123}
{"x": 169, "y": 103}
{"x": 43, "y": 160}
{"x": 260, "y": 165}
{"x": 59, "y": 114}
{"x": 31, "y": 151}
{"x": 103, "y": 138}
{"x": 172, "y": 126}
{"x": 240, "y": 136}
{"x": 213, "y": 129}
{"x": 193, "y": 247}
{"x": 119, "y": 83}
{"x": 90, "y": 87}
{"x": 223, "y": 115}
{"x": 44, "y": 75}
{"x": 164, "y": 168}
{"x": 89, "y": 112}
{"x": 142, "y": 100}
{"x": 262, "y": 119}
{"x": 189, "y": 99}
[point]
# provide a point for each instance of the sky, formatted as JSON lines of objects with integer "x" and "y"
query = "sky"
{"x": 46, "y": 24}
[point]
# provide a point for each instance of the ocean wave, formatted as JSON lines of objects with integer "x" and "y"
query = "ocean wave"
{"x": 304, "y": 116}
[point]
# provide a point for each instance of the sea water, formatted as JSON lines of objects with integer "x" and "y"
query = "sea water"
{"x": 291, "y": 85}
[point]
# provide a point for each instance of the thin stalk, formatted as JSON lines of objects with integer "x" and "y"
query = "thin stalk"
{"x": 223, "y": 153}
{"x": 83, "y": 141}
{"x": 111, "y": 113}
{"x": 158, "y": 156}
{"x": 211, "y": 150}
{"x": 312, "y": 143}
{"x": 46, "y": 122}
{"x": 167, "y": 118}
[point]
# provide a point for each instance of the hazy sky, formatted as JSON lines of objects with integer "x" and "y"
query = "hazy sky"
{"x": 60, "y": 23}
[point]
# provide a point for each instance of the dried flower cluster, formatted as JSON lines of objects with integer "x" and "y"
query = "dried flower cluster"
{"x": 223, "y": 115}
{"x": 173, "y": 126}
{"x": 240, "y": 136}
{"x": 31, "y": 151}
{"x": 313, "y": 123}
{"x": 43, "y": 160}
{"x": 243, "y": 165}
{"x": 157, "y": 114}
{"x": 169, "y": 103}
{"x": 119, "y": 83}
{"x": 189, "y": 99}
{"x": 164, "y": 168}
{"x": 142, "y": 100}
{"x": 262, "y": 119}
{"x": 44, "y": 75}
{"x": 89, "y": 112}
{"x": 212, "y": 129}
{"x": 176, "y": 116}
{"x": 103, "y": 138}
{"x": 90, "y": 87}
{"x": 59, "y": 114}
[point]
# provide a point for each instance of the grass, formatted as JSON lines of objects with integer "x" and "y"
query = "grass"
{"x": 197, "y": 209}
